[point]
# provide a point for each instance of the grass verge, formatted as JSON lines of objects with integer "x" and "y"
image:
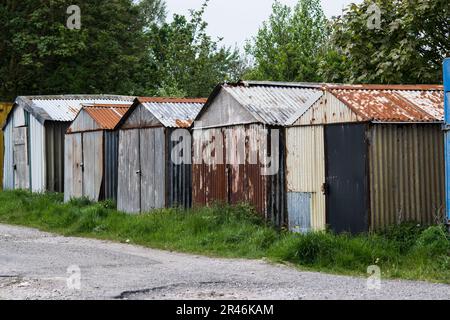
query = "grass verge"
{"x": 408, "y": 251}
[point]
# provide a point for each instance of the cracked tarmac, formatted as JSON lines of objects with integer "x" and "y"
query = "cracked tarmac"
{"x": 34, "y": 264}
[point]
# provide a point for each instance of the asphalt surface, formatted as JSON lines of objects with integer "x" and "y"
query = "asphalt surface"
{"x": 38, "y": 265}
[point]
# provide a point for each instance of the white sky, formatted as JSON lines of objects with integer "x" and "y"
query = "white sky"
{"x": 238, "y": 20}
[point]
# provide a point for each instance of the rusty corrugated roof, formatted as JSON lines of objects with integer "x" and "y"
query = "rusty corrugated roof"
{"x": 392, "y": 103}
{"x": 107, "y": 116}
{"x": 173, "y": 112}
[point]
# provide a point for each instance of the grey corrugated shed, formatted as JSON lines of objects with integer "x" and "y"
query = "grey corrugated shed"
{"x": 174, "y": 115}
{"x": 274, "y": 103}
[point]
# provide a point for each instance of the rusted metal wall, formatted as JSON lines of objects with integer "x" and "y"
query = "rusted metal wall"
{"x": 305, "y": 174}
{"x": 4, "y": 110}
{"x": 235, "y": 180}
{"x": 406, "y": 174}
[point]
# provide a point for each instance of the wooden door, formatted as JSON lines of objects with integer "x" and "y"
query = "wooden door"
{"x": 21, "y": 165}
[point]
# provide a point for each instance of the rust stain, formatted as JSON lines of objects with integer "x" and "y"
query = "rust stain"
{"x": 107, "y": 116}
{"x": 183, "y": 123}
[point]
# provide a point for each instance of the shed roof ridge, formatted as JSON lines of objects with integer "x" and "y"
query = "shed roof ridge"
{"x": 171, "y": 100}
{"x": 78, "y": 97}
{"x": 384, "y": 87}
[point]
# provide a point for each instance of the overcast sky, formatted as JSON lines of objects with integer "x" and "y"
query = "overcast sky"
{"x": 238, "y": 20}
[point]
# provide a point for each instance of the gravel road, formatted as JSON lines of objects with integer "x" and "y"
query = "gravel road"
{"x": 34, "y": 265}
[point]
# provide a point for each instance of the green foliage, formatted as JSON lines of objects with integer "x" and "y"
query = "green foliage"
{"x": 188, "y": 60}
{"x": 123, "y": 47}
{"x": 299, "y": 44}
{"x": 40, "y": 55}
{"x": 406, "y": 251}
{"x": 409, "y": 47}
{"x": 290, "y": 45}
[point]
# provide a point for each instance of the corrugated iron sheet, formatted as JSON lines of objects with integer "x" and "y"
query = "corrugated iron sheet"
{"x": 305, "y": 172}
{"x": 174, "y": 113}
{"x": 8, "y": 161}
{"x": 107, "y": 116}
{"x": 179, "y": 178}
{"x": 274, "y": 103}
{"x": 37, "y": 155}
{"x": 54, "y": 155}
{"x": 65, "y": 108}
{"x": 393, "y": 103}
{"x": 111, "y": 163}
{"x": 233, "y": 183}
{"x": 406, "y": 174}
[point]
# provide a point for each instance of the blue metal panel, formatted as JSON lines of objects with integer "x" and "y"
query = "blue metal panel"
{"x": 299, "y": 211}
{"x": 447, "y": 132}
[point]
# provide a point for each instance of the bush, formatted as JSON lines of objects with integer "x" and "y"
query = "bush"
{"x": 434, "y": 241}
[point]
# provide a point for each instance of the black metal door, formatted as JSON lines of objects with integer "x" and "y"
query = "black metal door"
{"x": 346, "y": 178}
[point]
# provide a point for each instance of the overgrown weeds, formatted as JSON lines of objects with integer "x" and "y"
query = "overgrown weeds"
{"x": 408, "y": 251}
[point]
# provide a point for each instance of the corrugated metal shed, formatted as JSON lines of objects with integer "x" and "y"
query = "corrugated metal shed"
{"x": 404, "y": 166}
{"x": 38, "y": 125}
{"x": 148, "y": 178}
{"x": 246, "y": 114}
{"x": 91, "y": 152}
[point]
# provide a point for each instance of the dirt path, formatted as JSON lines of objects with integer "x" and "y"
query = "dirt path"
{"x": 34, "y": 265}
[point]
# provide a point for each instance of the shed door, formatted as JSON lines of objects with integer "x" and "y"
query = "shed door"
{"x": 92, "y": 164}
{"x": 129, "y": 190}
{"x": 346, "y": 178}
{"x": 73, "y": 173}
{"x": 152, "y": 164}
{"x": 21, "y": 169}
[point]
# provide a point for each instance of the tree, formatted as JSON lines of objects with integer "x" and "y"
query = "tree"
{"x": 290, "y": 45}
{"x": 40, "y": 55}
{"x": 187, "y": 61}
{"x": 408, "y": 47}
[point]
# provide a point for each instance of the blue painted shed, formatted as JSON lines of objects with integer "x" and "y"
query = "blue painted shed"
{"x": 447, "y": 133}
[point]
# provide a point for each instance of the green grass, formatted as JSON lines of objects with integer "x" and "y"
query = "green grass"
{"x": 407, "y": 251}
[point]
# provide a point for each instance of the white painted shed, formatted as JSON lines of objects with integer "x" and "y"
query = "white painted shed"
{"x": 34, "y": 139}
